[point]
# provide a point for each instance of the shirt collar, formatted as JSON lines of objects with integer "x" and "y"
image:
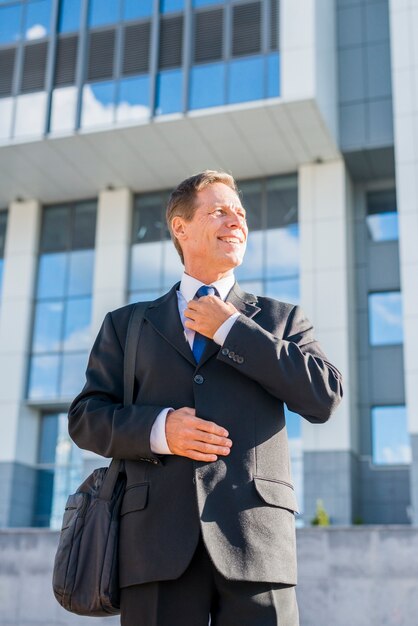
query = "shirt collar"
{"x": 190, "y": 285}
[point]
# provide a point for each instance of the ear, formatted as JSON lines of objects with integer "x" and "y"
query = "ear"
{"x": 178, "y": 227}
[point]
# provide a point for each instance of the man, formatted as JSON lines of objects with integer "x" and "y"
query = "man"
{"x": 207, "y": 521}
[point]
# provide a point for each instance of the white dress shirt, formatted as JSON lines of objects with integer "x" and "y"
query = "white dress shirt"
{"x": 187, "y": 292}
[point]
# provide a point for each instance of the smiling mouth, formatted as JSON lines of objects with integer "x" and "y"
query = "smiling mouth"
{"x": 231, "y": 240}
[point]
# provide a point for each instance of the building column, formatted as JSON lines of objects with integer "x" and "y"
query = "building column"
{"x": 111, "y": 266}
{"x": 113, "y": 237}
{"x": 18, "y": 424}
{"x": 327, "y": 296}
{"x": 404, "y": 54}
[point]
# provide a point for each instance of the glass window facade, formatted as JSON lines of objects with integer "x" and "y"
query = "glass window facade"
{"x": 391, "y": 444}
{"x": 385, "y": 318}
{"x": 61, "y": 327}
{"x": 59, "y": 470}
{"x": 382, "y": 216}
{"x": 69, "y": 16}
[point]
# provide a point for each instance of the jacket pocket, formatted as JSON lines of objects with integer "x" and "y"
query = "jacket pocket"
{"x": 135, "y": 498}
{"x": 276, "y": 493}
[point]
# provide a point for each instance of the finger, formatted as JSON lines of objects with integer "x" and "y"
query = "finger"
{"x": 208, "y": 448}
{"x": 215, "y": 440}
{"x": 209, "y": 427}
{"x": 200, "y": 456}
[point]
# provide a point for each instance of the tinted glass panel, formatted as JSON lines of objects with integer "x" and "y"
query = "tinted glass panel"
{"x": 203, "y": 3}
{"x": 43, "y": 378}
{"x": 69, "y": 18}
{"x": 10, "y": 23}
{"x": 172, "y": 266}
{"x": 391, "y": 444}
{"x": 48, "y": 439}
{"x": 146, "y": 266}
{"x": 246, "y": 79}
{"x": 98, "y": 104}
{"x": 84, "y": 225}
{"x": 169, "y": 6}
{"x": 38, "y": 18}
{"x": 385, "y": 318}
{"x": 73, "y": 374}
{"x": 282, "y": 201}
{"x": 134, "y": 99}
{"x": 383, "y": 226}
{"x": 48, "y": 326}
{"x": 252, "y": 266}
{"x": 273, "y": 76}
{"x": 143, "y": 296}
{"x": 284, "y": 290}
{"x": 381, "y": 201}
{"x": 3, "y": 225}
{"x": 52, "y": 273}
{"x": 56, "y": 229}
{"x": 77, "y": 325}
{"x": 103, "y": 12}
{"x": 63, "y": 109}
{"x": 133, "y": 9}
{"x": 282, "y": 252}
{"x": 207, "y": 85}
{"x": 169, "y": 92}
{"x": 80, "y": 279}
{"x": 30, "y": 115}
{"x": 149, "y": 223}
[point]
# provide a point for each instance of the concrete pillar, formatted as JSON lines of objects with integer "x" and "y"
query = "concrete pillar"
{"x": 18, "y": 424}
{"x": 404, "y": 54}
{"x": 327, "y": 296}
{"x": 113, "y": 237}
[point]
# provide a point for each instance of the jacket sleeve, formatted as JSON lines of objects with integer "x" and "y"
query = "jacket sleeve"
{"x": 98, "y": 421}
{"x": 292, "y": 368}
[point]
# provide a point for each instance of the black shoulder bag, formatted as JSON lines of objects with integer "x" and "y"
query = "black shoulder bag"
{"x": 85, "y": 576}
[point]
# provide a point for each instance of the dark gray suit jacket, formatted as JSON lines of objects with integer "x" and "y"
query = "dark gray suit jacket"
{"x": 244, "y": 503}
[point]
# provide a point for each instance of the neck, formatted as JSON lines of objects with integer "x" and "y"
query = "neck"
{"x": 207, "y": 276}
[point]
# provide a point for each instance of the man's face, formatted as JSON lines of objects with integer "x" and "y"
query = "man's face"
{"x": 216, "y": 237}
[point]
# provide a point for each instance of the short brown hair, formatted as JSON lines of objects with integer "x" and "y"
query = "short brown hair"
{"x": 182, "y": 199}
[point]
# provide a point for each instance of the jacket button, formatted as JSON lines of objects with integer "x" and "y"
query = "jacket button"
{"x": 198, "y": 379}
{"x": 225, "y": 351}
{"x": 240, "y": 359}
{"x": 231, "y": 354}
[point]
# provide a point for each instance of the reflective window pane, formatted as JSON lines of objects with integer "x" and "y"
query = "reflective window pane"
{"x": 169, "y": 92}
{"x": 98, "y": 104}
{"x": 63, "y": 109}
{"x": 282, "y": 247}
{"x": 149, "y": 223}
{"x": 73, "y": 374}
{"x": 135, "y": 9}
{"x": 146, "y": 266}
{"x": 48, "y": 439}
{"x": 172, "y": 266}
{"x": 47, "y": 328}
{"x": 203, "y": 3}
{"x": 282, "y": 201}
{"x": 6, "y": 112}
{"x": 84, "y": 225}
{"x": 30, "y": 115}
{"x": 103, "y": 12}
{"x": 10, "y": 23}
{"x": 37, "y": 19}
{"x": 134, "y": 99}
{"x": 385, "y": 318}
{"x": 252, "y": 266}
{"x": 286, "y": 290}
{"x": 382, "y": 201}
{"x": 207, "y": 85}
{"x": 77, "y": 325}
{"x": 69, "y": 18}
{"x": 56, "y": 229}
{"x": 169, "y": 6}
{"x": 273, "y": 75}
{"x": 246, "y": 79}
{"x": 52, "y": 272}
{"x": 80, "y": 279}
{"x": 383, "y": 226}
{"x": 252, "y": 286}
{"x": 391, "y": 443}
{"x": 143, "y": 296}
{"x": 43, "y": 377}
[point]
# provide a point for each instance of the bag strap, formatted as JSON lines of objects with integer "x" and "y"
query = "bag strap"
{"x": 129, "y": 361}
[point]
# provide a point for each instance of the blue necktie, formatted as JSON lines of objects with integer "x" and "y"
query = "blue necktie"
{"x": 200, "y": 341}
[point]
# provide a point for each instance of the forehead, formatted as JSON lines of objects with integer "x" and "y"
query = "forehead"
{"x": 218, "y": 194}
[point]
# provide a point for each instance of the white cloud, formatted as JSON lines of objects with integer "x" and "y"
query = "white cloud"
{"x": 396, "y": 454}
{"x": 37, "y": 31}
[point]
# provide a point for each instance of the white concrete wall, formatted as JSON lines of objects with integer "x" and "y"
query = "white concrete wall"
{"x": 18, "y": 424}
{"x": 113, "y": 236}
{"x": 327, "y": 290}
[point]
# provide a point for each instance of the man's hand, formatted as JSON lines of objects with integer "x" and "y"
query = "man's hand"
{"x": 207, "y": 314}
{"x": 190, "y": 436}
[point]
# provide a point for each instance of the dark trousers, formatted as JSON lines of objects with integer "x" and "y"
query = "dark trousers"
{"x": 202, "y": 592}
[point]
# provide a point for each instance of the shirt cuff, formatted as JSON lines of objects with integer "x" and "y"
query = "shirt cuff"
{"x": 158, "y": 440}
{"x": 223, "y": 330}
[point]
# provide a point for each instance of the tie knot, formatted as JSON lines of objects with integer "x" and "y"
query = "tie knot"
{"x": 205, "y": 290}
